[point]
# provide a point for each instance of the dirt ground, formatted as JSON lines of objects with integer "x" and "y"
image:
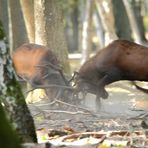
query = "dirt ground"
{"x": 125, "y": 109}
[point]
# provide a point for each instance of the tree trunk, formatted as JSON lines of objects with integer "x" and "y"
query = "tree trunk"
{"x": 4, "y": 16}
{"x": 19, "y": 33}
{"x": 69, "y": 33}
{"x": 121, "y": 31}
{"x": 99, "y": 29}
{"x": 75, "y": 25}
{"x": 49, "y": 28}
{"x": 12, "y": 98}
{"x": 104, "y": 8}
{"x": 72, "y": 27}
{"x": 86, "y": 31}
{"x": 139, "y": 18}
{"x": 40, "y": 22}
{"x": 28, "y": 13}
{"x": 131, "y": 15}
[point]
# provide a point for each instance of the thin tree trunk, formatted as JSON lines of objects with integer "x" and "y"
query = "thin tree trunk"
{"x": 28, "y": 13}
{"x": 40, "y": 22}
{"x": 4, "y": 16}
{"x": 86, "y": 31}
{"x": 131, "y": 15}
{"x": 104, "y": 8}
{"x": 68, "y": 33}
{"x": 75, "y": 24}
{"x": 19, "y": 33}
{"x": 121, "y": 31}
{"x": 99, "y": 28}
{"x": 139, "y": 18}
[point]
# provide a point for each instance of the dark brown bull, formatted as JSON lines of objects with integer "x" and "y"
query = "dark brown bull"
{"x": 120, "y": 60}
{"x": 39, "y": 66}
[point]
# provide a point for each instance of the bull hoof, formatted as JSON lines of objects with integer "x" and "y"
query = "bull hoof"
{"x": 102, "y": 94}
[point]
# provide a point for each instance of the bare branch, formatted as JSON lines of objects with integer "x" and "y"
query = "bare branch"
{"x": 67, "y": 112}
{"x": 50, "y": 86}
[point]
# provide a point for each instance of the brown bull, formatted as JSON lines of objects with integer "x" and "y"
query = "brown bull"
{"x": 120, "y": 60}
{"x": 39, "y": 66}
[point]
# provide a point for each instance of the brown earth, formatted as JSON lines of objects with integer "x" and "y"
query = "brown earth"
{"x": 125, "y": 109}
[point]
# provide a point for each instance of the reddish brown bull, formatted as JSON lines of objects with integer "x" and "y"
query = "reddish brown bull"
{"x": 38, "y": 65}
{"x": 120, "y": 60}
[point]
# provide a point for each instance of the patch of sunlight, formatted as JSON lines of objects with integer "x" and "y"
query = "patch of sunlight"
{"x": 42, "y": 135}
{"x": 106, "y": 6}
{"x": 131, "y": 94}
{"x": 39, "y": 119}
{"x": 117, "y": 89}
{"x": 35, "y": 96}
{"x": 140, "y": 103}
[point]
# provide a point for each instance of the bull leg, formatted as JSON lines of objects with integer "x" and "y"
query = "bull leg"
{"x": 102, "y": 93}
{"x": 111, "y": 76}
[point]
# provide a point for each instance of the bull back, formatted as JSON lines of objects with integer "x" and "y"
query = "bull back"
{"x": 32, "y": 63}
{"x": 120, "y": 60}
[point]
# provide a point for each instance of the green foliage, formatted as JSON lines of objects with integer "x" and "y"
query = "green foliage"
{"x": 8, "y": 138}
{"x": 8, "y": 90}
{"x": 12, "y": 97}
{"x": 145, "y": 20}
{"x": 12, "y": 92}
{"x": 68, "y": 5}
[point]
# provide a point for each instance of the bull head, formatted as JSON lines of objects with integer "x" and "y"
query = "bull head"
{"x": 85, "y": 86}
